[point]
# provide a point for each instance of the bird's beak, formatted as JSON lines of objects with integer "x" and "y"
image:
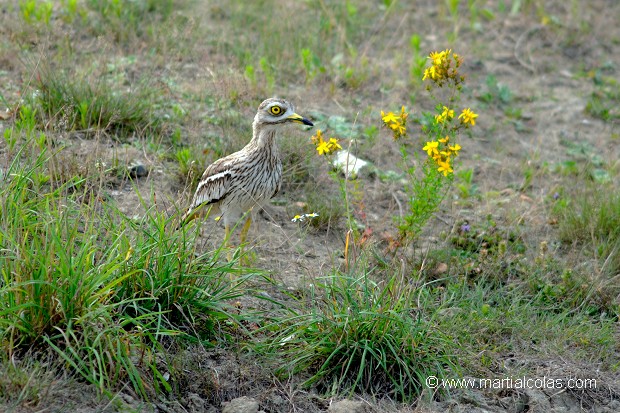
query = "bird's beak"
{"x": 299, "y": 119}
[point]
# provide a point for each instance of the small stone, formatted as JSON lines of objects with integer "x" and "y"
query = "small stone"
{"x": 138, "y": 171}
{"x": 348, "y": 163}
{"x": 347, "y": 406}
{"x": 440, "y": 269}
{"x": 194, "y": 403}
{"x": 240, "y": 405}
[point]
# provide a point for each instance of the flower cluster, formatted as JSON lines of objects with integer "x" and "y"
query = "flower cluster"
{"x": 445, "y": 116}
{"x": 441, "y": 150}
{"x": 302, "y": 218}
{"x": 468, "y": 117}
{"x": 324, "y": 147}
{"x": 442, "y": 153}
{"x": 397, "y": 123}
{"x": 445, "y": 66}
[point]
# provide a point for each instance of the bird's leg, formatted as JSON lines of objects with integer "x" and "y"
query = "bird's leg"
{"x": 243, "y": 237}
{"x": 245, "y": 229}
{"x": 226, "y": 242}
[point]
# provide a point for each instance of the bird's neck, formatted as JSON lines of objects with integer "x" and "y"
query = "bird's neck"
{"x": 263, "y": 136}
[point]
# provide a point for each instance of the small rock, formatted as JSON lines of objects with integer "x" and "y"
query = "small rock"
{"x": 440, "y": 269}
{"x": 348, "y": 163}
{"x": 194, "y": 403}
{"x": 240, "y": 405}
{"x": 537, "y": 400}
{"x": 138, "y": 171}
{"x": 347, "y": 406}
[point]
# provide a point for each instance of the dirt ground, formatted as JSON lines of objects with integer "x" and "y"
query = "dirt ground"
{"x": 548, "y": 67}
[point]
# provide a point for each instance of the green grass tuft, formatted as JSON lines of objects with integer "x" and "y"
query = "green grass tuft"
{"x": 88, "y": 105}
{"x": 593, "y": 217}
{"x": 357, "y": 335}
{"x": 101, "y": 310}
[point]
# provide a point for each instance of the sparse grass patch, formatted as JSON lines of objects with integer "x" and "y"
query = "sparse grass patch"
{"x": 605, "y": 99}
{"x": 591, "y": 218}
{"x": 488, "y": 320}
{"x": 89, "y": 105}
{"x": 329, "y": 207}
{"x": 486, "y": 237}
{"x": 23, "y": 383}
{"x": 311, "y": 38}
{"x": 191, "y": 166}
{"x": 591, "y": 215}
{"x": 33, "y": 11}
{"x": 561, "y": 290}
{"x": 129, "y": 20}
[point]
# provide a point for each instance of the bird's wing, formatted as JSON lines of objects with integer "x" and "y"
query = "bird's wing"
{"x": 212, "y": 188}
{"x": 214, "y": 184}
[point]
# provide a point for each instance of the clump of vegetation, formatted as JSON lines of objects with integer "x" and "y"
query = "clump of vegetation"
{"x": 592, "y": 218}
{"x": 33, "y": 11}
{"x": 603, "y": 102}
{"x": 354, "y": 335}
{"x": 128, "y": 20}
{"x": 94, "y": 106}
{"x": 103, "y": 311}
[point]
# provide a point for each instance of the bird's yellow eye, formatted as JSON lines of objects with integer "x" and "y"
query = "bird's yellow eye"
{"x": 275, "y": 110}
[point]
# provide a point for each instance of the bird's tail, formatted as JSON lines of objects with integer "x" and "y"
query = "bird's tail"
{"x": 192, "y": 214}
{"x": 187, "y": 217}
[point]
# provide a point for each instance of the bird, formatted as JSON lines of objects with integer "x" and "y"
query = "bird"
{"x": 233, "y": 185}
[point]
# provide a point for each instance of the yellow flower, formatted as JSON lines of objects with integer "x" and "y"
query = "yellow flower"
{"x": 432, "y": 73}
{"x": 444, "y": 140}
{"x": 444, "y": 166}
{"x": 444, "y": 67}
{"x": 328, "y": 147}
{"x": 397, "y": 123}
{"x": 401, "y": 129}
{"x": 454, "y": 149}
{"x": 437, "y": 57}
{"x": 322, "y": 148}
{"x": 427, "y": 73}
{"x": 431, "y": 148}
{"x": 388, "y": 118}
{"x": 316, "y": 139}
{"x": 447, "y": 114}
{"x": 333, "y": 145}
{"x": 302, "y": 218}
{"x": 403, "y": 114}
{"x": 468, "y": 116}
{"x": 325, "y": 147}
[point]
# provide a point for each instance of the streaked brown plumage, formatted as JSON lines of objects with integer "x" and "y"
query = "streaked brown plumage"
{"x": 234, "y": 184}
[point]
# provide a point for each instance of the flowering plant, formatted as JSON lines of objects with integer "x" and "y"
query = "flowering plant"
{"x": 441, "y": 144}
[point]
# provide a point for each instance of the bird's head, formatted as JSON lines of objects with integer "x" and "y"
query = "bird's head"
{"x": 275, "y": 111}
